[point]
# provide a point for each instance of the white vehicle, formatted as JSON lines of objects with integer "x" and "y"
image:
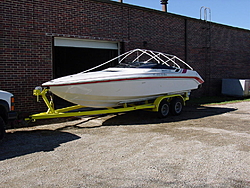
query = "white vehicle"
{"x": 7, "y": 112}
{"x": 140, "y": 75}
{"x": 143, "y": 79}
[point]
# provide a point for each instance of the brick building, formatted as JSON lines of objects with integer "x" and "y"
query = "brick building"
{"x": 41, "y": 40}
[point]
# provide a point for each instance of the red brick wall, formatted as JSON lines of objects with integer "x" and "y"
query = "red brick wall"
{"x": 28, "y": 28}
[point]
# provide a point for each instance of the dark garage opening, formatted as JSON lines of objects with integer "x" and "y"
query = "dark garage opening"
{"x": 71, "y": 60}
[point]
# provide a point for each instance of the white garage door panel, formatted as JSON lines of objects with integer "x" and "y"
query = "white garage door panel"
{"x": 85, "y": 43}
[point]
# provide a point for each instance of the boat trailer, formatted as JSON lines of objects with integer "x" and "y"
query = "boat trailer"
{"x": 162, "y": 104}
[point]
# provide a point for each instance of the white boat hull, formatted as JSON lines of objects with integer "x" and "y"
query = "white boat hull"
{"x": 111, "y": 93}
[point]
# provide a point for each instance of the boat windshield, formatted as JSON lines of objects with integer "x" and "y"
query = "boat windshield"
{"x": 148, "y": 65}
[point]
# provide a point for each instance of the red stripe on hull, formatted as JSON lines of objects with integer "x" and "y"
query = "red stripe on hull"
{"x": 127, "y": 79}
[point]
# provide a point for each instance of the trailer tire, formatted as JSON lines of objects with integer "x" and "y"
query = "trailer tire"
{"x": 176, "y": 106}
{"x": 2, "y": 128}
{"x": 163, "y": 109}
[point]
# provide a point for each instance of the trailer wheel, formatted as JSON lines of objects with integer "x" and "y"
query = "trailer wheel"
{"x": 2, "y": 128}
{"x": 176, "y": 106}
{"x": 163, "y": 109}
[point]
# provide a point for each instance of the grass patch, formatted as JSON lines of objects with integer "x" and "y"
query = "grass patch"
{"x": 215, "y": 100}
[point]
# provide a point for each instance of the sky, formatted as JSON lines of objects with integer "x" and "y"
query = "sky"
{"x": 234, "y": 13}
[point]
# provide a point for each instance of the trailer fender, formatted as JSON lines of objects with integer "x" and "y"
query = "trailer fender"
{"x": 158, "y": 100}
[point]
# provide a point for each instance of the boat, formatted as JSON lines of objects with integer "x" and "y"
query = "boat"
{"x": 139, "y": 75}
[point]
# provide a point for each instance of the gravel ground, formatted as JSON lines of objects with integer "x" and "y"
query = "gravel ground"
{"x": 206, "y": 146}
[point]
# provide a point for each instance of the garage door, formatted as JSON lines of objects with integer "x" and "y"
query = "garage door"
{"x": 80, "y": 43}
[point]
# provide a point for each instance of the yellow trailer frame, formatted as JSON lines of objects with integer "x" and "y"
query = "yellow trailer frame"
{"x": 67, "y": 112}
